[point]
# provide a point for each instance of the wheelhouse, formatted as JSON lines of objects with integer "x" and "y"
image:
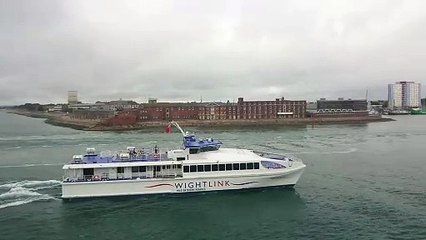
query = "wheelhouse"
{"x": 204, "y": 145}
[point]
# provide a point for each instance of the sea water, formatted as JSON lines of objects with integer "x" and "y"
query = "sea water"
{"x": 362, "y": 181}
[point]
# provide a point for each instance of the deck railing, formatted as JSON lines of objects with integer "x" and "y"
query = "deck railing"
{"x": 117, "y": 158}
{"x": 90, "y": 178}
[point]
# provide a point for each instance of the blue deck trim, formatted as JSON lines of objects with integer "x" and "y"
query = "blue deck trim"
{"x": 148, "y": 157}
{"x": 191, "y": 142}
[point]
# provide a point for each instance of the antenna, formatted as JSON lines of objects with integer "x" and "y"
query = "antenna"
{"x": 366, "y": 94}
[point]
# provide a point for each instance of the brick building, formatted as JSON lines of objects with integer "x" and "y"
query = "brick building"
{"x": 92, "y": 114}
{"x": 168, "y": 111}
{"x": 279, "y": 108}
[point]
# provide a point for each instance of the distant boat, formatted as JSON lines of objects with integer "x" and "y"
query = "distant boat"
{"x": 398, "y": 112}
{"x": 418, "y": 111}
{"x": 200, "y": 166}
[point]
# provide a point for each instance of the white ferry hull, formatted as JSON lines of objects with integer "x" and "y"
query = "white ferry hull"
{"x": 180, "y": 185}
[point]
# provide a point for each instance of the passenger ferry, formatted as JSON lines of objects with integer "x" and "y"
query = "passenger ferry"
{"x": 200, "y": 166}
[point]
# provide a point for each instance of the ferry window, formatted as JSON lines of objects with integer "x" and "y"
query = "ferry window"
{"x": 214, "y": 167}
{"x": 228, "y": 167}
{"x": 185, "y": 168}
{"x": 157, "y": 168}
{"x": 221, "y": 167}
{"x": 243, "y": 166}
{"x": 120, "y": 170}
{"x": 200, "y": 168}
{"x": 88, "y": 171}
{"x": 163, "y": 167}
{"x": 142, "y": 169}
{"x": 236, "y": 166}
{"x": 256, "y": 165}
{"x": 249, "y": 165}
{"x": 168, "y": 166}
{"x": 135, "y": 169}
{"x": 193, "y": 151}
{"x": 207, "y": 168}
{"x": 267, "y": 164}
{"x": 179, "y": 166}
{"x": 180, "y": 158}
{"x": 193, "y": 168}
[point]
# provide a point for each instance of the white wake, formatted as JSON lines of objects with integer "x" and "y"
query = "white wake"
{"x": 24, "y": 192}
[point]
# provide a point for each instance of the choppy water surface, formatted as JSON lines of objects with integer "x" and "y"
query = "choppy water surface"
{"x": 363, "y": 181}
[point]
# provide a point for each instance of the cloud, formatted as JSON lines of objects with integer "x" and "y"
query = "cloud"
{"x": 220, "y": 50}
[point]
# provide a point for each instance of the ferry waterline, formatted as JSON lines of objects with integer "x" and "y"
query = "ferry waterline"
{"x": 201, "y": 165}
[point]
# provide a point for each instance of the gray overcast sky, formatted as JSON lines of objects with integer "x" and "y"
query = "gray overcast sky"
{"x": 220, "y": 50}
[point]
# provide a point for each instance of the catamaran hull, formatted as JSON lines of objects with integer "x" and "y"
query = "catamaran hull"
{"x": 179, "y": 185}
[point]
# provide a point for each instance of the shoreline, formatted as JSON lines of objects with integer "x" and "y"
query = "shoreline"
{"x": 243, "y": 123}
{"x": 57, "y": 119}
{"x": 62, "y": 120}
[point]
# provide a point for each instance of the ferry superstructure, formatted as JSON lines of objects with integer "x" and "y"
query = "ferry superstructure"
{"x": 201, "y": 165}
